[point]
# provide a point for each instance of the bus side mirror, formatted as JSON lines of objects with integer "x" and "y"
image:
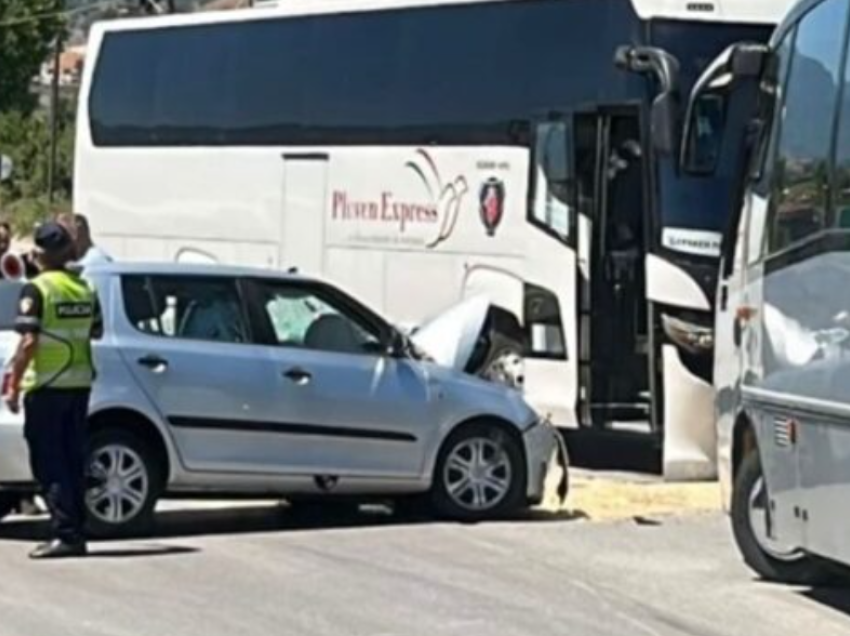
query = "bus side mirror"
{"x": 665, "y": 113}
{"x": 705, "y": 117}
{"x": 663, "y": 68}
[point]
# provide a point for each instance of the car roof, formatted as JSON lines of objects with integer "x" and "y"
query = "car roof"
{"x": 189, "y": 269}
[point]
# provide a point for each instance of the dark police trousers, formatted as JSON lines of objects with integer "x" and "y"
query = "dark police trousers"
{"x": 55, "y": 430}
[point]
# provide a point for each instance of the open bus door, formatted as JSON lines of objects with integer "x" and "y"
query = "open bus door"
{"x": 618, "y": 351}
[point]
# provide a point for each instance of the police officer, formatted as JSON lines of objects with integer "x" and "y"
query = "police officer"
{"x": 58, "y": 315}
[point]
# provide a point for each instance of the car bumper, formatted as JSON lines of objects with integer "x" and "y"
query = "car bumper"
{"x": 545, "y": 453}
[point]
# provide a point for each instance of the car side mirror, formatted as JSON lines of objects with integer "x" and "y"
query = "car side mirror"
{"x": 392, "y": 346}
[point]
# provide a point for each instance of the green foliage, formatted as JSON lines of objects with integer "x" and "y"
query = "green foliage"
{"x": 27, "y": 31}
{"x": 26, "y": 140}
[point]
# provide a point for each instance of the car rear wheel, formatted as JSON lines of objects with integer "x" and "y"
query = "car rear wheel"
{"x": 769, "y": 558}
{"x": 126, "y": 480}
{"x": 480, "y": 474}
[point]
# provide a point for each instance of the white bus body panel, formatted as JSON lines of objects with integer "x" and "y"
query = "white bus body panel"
{"x": 399, "y": 227}
{"x": 690, "y": 438}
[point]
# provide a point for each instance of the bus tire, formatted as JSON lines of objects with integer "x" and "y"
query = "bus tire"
{"x": 792, "y": 566}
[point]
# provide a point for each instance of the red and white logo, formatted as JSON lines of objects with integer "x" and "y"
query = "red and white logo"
{"x": 492, "y": 199}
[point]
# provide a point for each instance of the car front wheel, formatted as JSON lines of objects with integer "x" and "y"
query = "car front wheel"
{"x": 125, "y": 480}
{"x": 480, "y": 474}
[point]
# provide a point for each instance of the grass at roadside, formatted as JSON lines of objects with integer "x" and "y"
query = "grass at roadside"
{"x": 601, "y": 497}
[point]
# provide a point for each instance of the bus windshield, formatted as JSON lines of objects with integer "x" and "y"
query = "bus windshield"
{"x": 694, "y": 203}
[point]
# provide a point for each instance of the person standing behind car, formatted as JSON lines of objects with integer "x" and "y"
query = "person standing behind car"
{"x": 5, "y": 238}
{"x": 58, "y": 315}
{"x": 87, "y": 252}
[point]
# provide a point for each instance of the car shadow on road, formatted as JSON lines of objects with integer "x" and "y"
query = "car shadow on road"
{"x": 272, "y": 518}
{"x": 141, "y": 551}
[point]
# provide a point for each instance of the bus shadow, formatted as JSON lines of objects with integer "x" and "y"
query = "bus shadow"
{"x": 835, "y": 598}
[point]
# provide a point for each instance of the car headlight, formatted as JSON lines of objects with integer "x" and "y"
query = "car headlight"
{"x": 688, "y": 335}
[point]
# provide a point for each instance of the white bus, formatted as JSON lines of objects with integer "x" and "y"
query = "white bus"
{"x": 419, "y": 153}
{"x": 783, "y": 319}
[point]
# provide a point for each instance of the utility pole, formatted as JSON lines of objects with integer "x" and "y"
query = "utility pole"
{"x": 54, "y": 119}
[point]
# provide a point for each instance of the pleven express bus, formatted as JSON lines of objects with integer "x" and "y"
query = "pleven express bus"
{"x": 420, "y": 153}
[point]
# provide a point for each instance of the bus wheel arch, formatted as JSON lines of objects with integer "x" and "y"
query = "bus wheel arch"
{"x": 743, "y": 442}
{"x": 750, "y": 507}
{"x": 502, "y": 354}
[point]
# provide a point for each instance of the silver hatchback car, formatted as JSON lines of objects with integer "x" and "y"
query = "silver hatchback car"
{"x": 215, "y": 380}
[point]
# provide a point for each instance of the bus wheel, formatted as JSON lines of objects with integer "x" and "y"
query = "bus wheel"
{"x": 750, "y": 521}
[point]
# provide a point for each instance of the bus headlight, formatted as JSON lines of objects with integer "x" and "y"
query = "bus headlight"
{"x": 688, "y": 335}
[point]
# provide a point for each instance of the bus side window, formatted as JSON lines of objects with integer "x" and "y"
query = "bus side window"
{"x": 551, "y": 188}
{"x": 802, "y": 169}
{"x": 841, "y": 175}
{"x": 770, "y": 111}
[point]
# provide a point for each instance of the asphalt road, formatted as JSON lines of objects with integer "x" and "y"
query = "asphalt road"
{"x": 261, "y": 571}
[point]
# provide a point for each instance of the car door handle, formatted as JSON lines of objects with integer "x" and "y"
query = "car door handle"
{"x": 298, "y": 376}
{"x": 155, "y": 363}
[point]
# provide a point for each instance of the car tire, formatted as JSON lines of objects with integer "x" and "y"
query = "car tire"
{"x": 128, "y": 479}
{"x": 8, "y": 503}
{"x": 480, "y": 474}
{"x": 791, "y": 566}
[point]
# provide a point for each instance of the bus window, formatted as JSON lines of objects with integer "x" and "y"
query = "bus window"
{"x": 707, "y": 134}
{"x": 544, "y": 327}
{"x": 802, "y": 166}
{"x": 550, "y": 206}
{"x": 841, "y": 186}
{"x": 770, "y": 109}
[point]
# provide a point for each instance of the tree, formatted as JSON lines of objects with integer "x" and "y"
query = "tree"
{"x": 28, "y": 29}
{"x": 25, "y": 139}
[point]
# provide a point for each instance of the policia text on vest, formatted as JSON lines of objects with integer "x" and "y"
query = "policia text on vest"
{"x": 58, "y": 315}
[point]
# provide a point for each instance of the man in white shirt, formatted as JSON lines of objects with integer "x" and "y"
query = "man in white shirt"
{"x": 87, "y": 252}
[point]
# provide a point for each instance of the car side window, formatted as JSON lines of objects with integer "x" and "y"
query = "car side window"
{"x": 190, "y": 308}
{"x": 800, "y": 204}
{"x": 304, "y": 318}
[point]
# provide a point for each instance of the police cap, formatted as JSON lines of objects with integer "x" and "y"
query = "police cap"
{"x": 52, "y": 238}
